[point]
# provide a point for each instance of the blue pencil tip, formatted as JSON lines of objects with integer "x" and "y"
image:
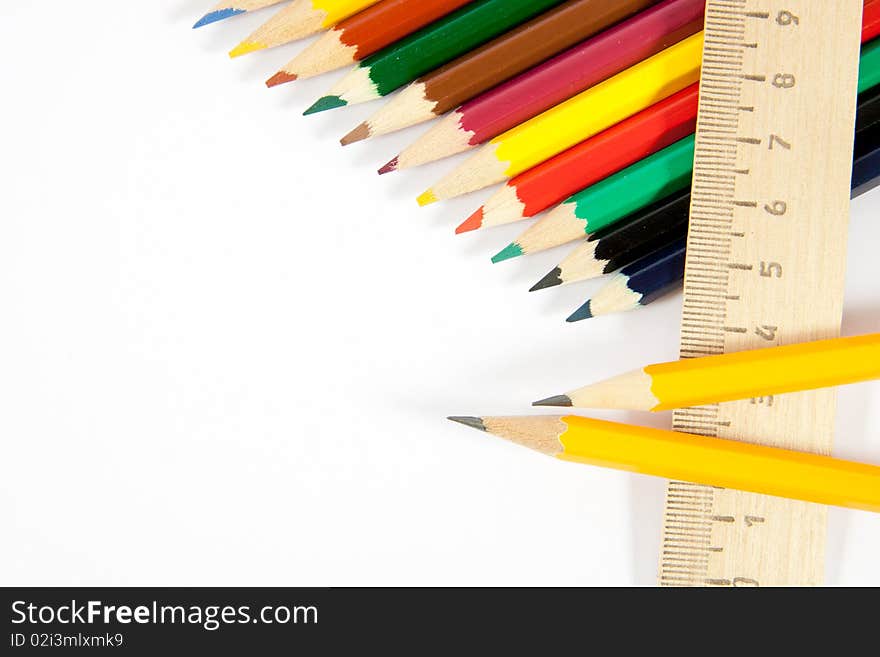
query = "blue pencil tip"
{"x": 325, "y": 103}
{"x": 583, "y": 312}
{"x": 219, "y": 15}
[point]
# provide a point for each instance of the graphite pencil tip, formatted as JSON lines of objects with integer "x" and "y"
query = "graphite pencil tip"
{"x": 552, "y": 279}
{"x": 556, "y": 400}
{"x": 391, "y": 166}
{"x": 325, "y": 103}
{"x": 245, "y": 47}
{"x": 281, "y": 77}
{"x": 358, "y": 134}
{"x": 426, "y": 198}
{"x": 215, "y": 16}
{"x": 584, "y": 312}
{"x": 473, "y": 222}
{"x": 473, "y": 422}
{"x": 512, "y": 250}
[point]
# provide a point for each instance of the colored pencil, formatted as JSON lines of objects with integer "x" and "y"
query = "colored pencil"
{"x": 551, "y": 182}
{"x": 230, "y": 8}
{"x": 608, "y": 201}
{"x": 299, "y": 19}
{"x": 362, "y": 35}
{"x": 627, "y": 191}
{"x": 661, "y": 272}
{"x": 687, "y": 457}
{"x": 429, "y": 48}
{"x": 729, "y": 377}
{"x": 557, "y": 80}
{"x": 592, "y": 160}
{"x": 495, "y": 62}
{"x": 576, "y": 119}
{"x": 623, "y": 243}
{"x": 638, "y": 284}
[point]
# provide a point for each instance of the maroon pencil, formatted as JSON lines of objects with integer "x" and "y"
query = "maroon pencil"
{"x": 555, "y": 81}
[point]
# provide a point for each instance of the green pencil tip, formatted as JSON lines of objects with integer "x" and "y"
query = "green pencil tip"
{"x": 552, "y": 279}
{"x": 473, "y": 422}
{"x": 584, "y": 312}
{"x": 512, "y": 250}
{"x": 556, "y": 400}
{"x": 325, "y": 103}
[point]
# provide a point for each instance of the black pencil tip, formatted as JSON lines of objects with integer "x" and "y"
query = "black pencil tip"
{"x": 472, "y": 422}
{"x": 557, "y": 400}
{"x": 552, "y": 279}
{"x": 584, "y": 312}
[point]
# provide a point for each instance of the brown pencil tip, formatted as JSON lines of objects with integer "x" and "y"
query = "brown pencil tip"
{"x": 556, "y": 400}
{"x": 473, "y": 222}
{"x": 391, "y": 166}
{"x": 358, "y": 134}
{"x": 473, "y": 422}
{"x": 281, "y": 77}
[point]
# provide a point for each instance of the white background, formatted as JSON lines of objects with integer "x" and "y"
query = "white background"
{"x": 228, "y": 347}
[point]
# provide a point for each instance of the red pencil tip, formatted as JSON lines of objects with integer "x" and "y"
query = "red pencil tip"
{"x": 281, "y": 77}
{"x": 388, "y": 168}
{"x": 473, "y": 222}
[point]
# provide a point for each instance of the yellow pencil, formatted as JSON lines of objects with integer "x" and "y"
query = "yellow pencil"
{"x": 726, "y": 377}
{"x": 696, "y": 459}
{"x": 297, "y": 20}
{"x": 576, "y": 119}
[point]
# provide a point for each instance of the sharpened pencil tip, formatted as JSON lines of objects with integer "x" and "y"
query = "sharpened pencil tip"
{"x": 552, "y": 279}
{"x": 325, "y": 103}
{"x": 556, "y": 400}
{"x": 584, "y": 312}
{"x": 473, "y": 222}
{"x": 245, "y": 47}
{"x": 215, "y": 16}
{"x": 358, "y": 134}
{"x": 391, "y": 166}
{"x": 426, "y": 198}
{"x": 473, "y": 422}
{"x": 512, "y": 250}
{"x": 281, "y": 77}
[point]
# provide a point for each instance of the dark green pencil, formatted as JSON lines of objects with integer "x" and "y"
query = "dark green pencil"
{"x": 429, "y": 48}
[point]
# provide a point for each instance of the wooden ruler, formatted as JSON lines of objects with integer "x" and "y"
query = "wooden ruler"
{"x": 765, "y": 266}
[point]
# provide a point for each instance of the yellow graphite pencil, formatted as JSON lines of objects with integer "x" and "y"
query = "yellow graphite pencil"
{"x": 726, "y": 377}
{"x": 696, "y": 459}
{"x": 578, "y": 118}
{"x": 297, "y": 20}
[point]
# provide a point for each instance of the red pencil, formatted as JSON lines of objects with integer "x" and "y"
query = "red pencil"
{"x": 590, "y": 161}
{"x": 871, "y": 20}
{"x": 555, "y": 81}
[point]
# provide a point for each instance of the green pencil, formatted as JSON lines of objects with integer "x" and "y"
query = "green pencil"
{"x": 645, "y": 182}
{"x": 429, "y": 48}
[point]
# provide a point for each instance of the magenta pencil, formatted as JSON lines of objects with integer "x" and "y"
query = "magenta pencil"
{"x": 555, "y": 81}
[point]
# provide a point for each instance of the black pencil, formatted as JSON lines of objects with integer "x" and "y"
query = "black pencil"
{"x": 621, "y": 244}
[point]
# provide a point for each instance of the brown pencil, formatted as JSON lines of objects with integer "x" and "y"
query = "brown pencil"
{"x": 499, "y": 60}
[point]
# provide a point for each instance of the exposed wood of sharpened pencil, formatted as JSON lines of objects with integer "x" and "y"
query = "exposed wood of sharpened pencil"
{"x": 230, "y": 8}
